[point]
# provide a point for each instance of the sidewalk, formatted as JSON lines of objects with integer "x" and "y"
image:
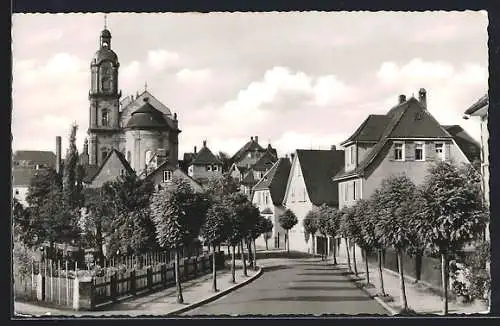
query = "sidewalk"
{"x": 419, "y": 297}
{"x": 163, "y": 302}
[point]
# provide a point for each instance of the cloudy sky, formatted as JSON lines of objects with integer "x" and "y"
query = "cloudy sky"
{"x": 298, "y": 80}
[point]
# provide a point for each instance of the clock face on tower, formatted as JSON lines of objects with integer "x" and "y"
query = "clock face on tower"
{"x": 106, "y": 77}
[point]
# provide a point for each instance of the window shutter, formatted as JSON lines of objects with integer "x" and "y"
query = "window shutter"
{"x": 409, "y": 152}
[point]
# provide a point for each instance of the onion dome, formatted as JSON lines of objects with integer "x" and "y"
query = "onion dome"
{"x": 147, "y": 117}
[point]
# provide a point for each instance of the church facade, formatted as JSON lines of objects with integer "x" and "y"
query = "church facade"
{"x": 137, "y": 126}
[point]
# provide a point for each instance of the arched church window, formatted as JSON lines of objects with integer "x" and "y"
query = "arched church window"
{"x": 106, "y": 72}
{"x": 105, "y": 118}
{"x": 129, "y": 156}
{"x": 147, "y": 157}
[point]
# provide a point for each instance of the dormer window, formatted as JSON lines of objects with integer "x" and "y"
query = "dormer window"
{"x": 399, "y": 151}
{"x": 209, "y": 168}
{"x": 215, "y": 168}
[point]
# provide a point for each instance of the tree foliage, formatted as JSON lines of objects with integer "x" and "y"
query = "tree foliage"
{"x": 217, "y": 225}
{"x": 288, "y": 219}
{"x": 24, "y": 227}
{"x": 310, "y": 222}
{"x": 72, "y": 174}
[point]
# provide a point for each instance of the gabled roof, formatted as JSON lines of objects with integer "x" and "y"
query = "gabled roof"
{"x": 318, "y": 168}
{"x": 249, "y": 179}
{"x": 90, "y": 172}
{"x": 469, "y": 146}
{"x": 406, "y": 120}
{"x": 37, "y": 157}
{"x": 370, "y": 130}
{"x": 205, "y": 156}
{"x": 482, "y": 102}
{"x": 177, "y": 172}
{"x": 251, "y": 146}
{"x": 21, "y": 177}
{"x": 275, "y": 180}
{"x": 265, "y": 161}
{"x": 120, "y": 156}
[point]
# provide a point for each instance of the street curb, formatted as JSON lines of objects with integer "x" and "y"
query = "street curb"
{"x": 384, "y": 305}
{"x": 215, "y": 296}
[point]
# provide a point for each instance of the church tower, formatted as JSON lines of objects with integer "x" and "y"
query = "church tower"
{"x": 104, "y": 127}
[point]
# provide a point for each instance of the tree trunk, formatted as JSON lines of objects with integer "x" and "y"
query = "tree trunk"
{"x": 214, "y": 274}
{"x": 266, "y": 238}
{"x": 348, "y": 255}
{"x": 354, "y": 258}
{"x": 367, "y": 269}
{"x": 180, "y": 299}
{"x": 444, "y": 281}
{"x": 98, "y": 244}
{"x": 243, "y": 259}
{"x": 233, "y": 265}
{"x": 254, "y": 255}
{"x": 380, "y": 275}
{"x": 404, "y": 303}
{"x": 287, "y": 242}
{"x": 250, "y": 253}
{"x": 335, "y": 251}
{"x": 418, "y": 264}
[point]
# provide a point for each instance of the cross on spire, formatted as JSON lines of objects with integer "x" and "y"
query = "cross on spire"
{"x": 145, "y": 86}
{"x": 105, "y": 21}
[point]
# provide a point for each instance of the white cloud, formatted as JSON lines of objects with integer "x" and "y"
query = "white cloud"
{"x": 160, "y": 59}
{"x": 193, "y": 76}
{"x": 129, "y": 74}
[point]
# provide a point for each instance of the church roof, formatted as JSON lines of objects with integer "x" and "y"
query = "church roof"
{"x": 104, "y": 54}
{"x": 121, "y": 158}
{"x": 147, "y": 117}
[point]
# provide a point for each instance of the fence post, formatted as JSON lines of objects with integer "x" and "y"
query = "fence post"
{"x": 132, "y": 282}
{"x": 163, "y": 275}
{"x": 195, "y": 262}
{"x": 67, "y": 284}
{"x": 113, "y": 286}
{"x": 40, "y": 287}
{"x": 149, "y": 278}
{"x": 58, "y": 281}
{"x": 186, "y": 268}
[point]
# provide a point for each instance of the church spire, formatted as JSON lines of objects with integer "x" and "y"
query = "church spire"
{"x": 105, "y": 21}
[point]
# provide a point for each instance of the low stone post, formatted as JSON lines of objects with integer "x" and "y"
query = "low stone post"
{"x": 114, "y": 286}
{"x": 40, "y": 287}
{"x": 83, "y": 294}
{"x": 149, "y": 278}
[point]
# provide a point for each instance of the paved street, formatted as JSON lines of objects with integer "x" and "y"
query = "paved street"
{"x": 295, "y": 286}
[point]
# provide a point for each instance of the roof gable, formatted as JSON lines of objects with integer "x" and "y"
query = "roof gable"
{"x": 469, "y": 146}
{"x": 205, "y": 156}
{"x": 318, "y": 169}
{"x": 106, "y": 166}
{"x": 250, "y": 146}
{"x": 265, "y": 162}
{"x": 36, "y": 157}
{"x": 370, "y": 130}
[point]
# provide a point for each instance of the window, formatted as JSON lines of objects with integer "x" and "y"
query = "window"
{"x": 129, "y": 156}
{"x": 354, "y": 190}
{"x": 298, "y": 171}
{"x": 351, "y": 155}
{"x": 419, "y": 152}
{"x": 122, "y": 172}
{"x": 167, "y": 176}
{"x": 105, "y": 118}
{"x": 214, "y": 168}
{"x": 209, "y": 168}
{"x": 104, "y": 154}
{"x": 440, "y": 150}
{"x": 344, "y": 186}
{"x": 265, "y": 199}
{"x": 398, "y": 151}
{"x": 147, "y": 157}
{"x": 17, "y": 192}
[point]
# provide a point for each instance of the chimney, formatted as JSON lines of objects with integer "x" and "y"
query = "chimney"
{"x": 402, "y": 98}
{"x": 58, "y": 154}
{"x": 86, "y": 146}
{"x": 256, "y": 139}
{"x": 251, "y": 138}
{"x": 292, "y": 156}
{"x": 422, "y": 97}
{"x": 195, "y": 149}
{"x": 204, "y": 143}
{"x": 333, "y": 148}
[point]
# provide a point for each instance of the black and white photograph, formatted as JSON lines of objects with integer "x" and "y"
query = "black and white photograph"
{"x": 200, "y": 165}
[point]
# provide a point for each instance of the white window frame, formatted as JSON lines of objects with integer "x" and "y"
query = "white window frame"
{"x": 419, "y": 143}
{"x": 214, "y": 168}
{"x": 443, "y": 155}
{"x": 354, "y": 190}
{"x": 348, "y": 156}
{"x": 167, "y": 176}
{"x": 402, "y": 151}
{"x": 209, "y": 168}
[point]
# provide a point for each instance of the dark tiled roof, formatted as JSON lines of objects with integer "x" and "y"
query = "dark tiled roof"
{"x": 265, "y": 162}
{"x": 467, "y": 144}
{"x": 370, "y": 130}
{"x": 251, "y": 146}
{"x": 406, "y": 120}
{"x": 22, "y": 176}
{"x": 168, "y": 166}
{"x": 318, "y": 168}
{"x": 147, "y": 117}
{"x": 122, "y": 159}
{"x": 482, "y": 102}
{"x": 205, "y": 156}
{"x": 90, "y": 172}
{"x": 275, "y": 180}
{"x": 37, "y": 157}
{"x": 249, "y": 179}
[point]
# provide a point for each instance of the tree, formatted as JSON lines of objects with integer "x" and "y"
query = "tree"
{"x": 215, "y": 230}
{"x": 322, "y": 222}
{"x": 255, "y": 231}
{"x": 221, "y": 186}
{"x": 267, "y": 230}
{"x": 454, "y": 213}
{"x": 396, "y": 211}
{"x": 365, "y": 238}
{"x": 226, "y": 161}
{"x": 170, "y": 209}
{"x": 332, "y": 228}
{"x": 237, "y": 228}
{"x": 23, "y": 226}
{"x": 131, "y": 229}
{"x": 72, "y": 174}
{"x": 350, "y": 231}
{"x": 310, "y": 224}
{"x": 287, "y": 221}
